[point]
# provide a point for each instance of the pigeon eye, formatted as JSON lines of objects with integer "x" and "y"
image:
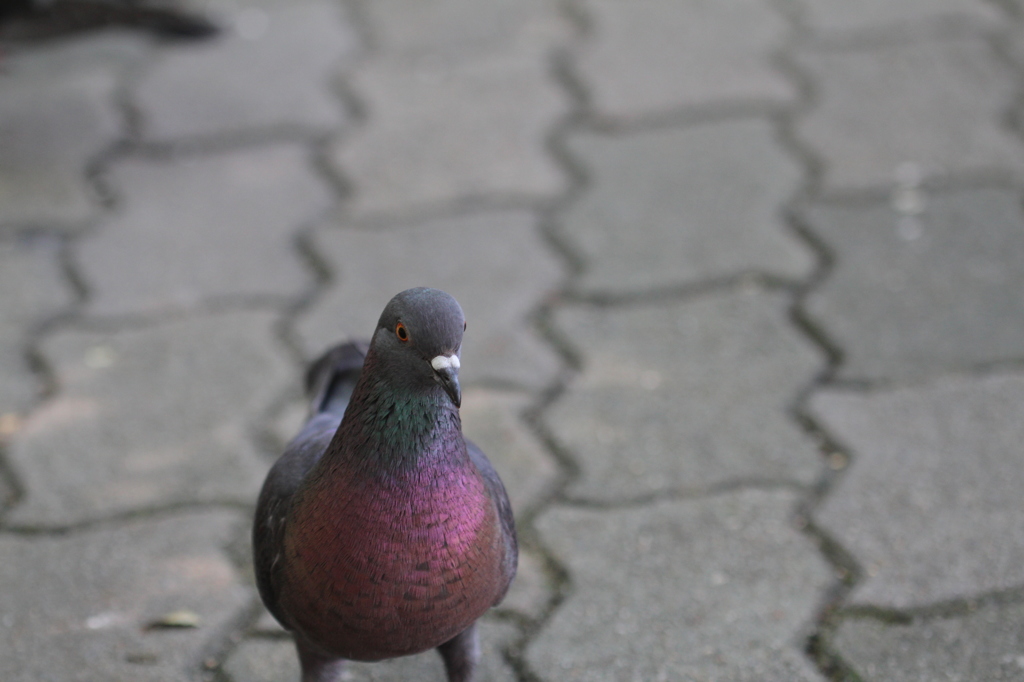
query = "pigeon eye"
{"x": 402, "y": 333}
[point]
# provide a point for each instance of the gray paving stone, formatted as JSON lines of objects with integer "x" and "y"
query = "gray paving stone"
{"x": 532, "y": 590}
{"x": 463, "y": 28}
{"x": 492, "y": 420}
{"x": 931, "y": 505}
{"x": 274, "y": 68}
{"x": 671, "y": 207}
{"x": 284, "y": 425}
{"x": 273, "y": 660}
{"x": 232, "y": 236}
{"x": 985, "y": 645}
{"x": 267, "y": 624}
{"x": 7, "y": 491}
{"x": 113, "y": 50}
{"x": 939, "y": 104}
{"x": 31, "y": 288}
{"x": 75, "y": 607}
{"x": 441, "y": 131}
{"x": 1012, "y": 45}
{"x": 649, "y": 57}
{"x": 152, "y": 416}
{"x": 498, "y": 281}
{"x": 916, "y": 294}
{"x": 54, "y": 119}
{"x": 844, "y": 16}
{"x": 684, "y": 396}
{"x": 710, "y": 589}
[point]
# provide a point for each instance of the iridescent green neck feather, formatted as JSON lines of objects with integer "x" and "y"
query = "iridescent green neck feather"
{"x": 394, "y": 429}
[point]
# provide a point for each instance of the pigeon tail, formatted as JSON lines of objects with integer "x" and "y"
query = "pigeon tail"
{"x": 332, "y": 377}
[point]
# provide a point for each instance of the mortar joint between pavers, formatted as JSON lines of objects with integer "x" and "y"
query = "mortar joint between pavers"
{"x": 361, "y": 23}
{"x": 746, "y": 281}
{"x": 132, "y": 118}
{"x": 558, "y": 576}
{"x": 948, "y": 608}
{"x": 1012, "y": 117}
{"x": 848, "y": 573}
{"x": 578, "y": 183}
{"x": 792, "y": 12}
{"x": 577, "y": 17}
{"x": 36, "y": 361}
{"x": 303, "y": 244}
{"x": 560, "y": 581}
{"x": 684, "y": 493}
{"x": 115, "y": 322}
{"x": 785, "y": 125}
{"x": 820, "y": 645}
{"x": 979, "y": 370}
{"x": 125, "y": 517}
{"x": 214, "y": 144}
{"x": 12, "y": 481}
{"x": 1010, "y": 8}
{"x": 565, "y": 76}
{"x": 829, "y": 663}
{"x": 899, "y": 33}
{"x": 691, "y": 115}
{"x": 217, "y": 648}
{"x": 319, "y": 160}
{"x": 846, "y": 569}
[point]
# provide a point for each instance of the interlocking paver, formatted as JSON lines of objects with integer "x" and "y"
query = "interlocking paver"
{"x": 272, "y": 68}
{"x": 648, "y": 57}
{"x": 265, "y": 660}
{"x": 674, "y": 206}
{"x": 202, "y": 228}
{"x": 838, "y": 16}
{"x": 83, "y": 600}
{"x": 445, "y": 130}
{"x": 931, "y": 505}
{"x": 152, "y": 416}
{"x": 54, "y": 119}
{"x": 493, "y": 420}
{"x": 939, "y": 104}
{"x": 915, "y": 294}
{"x": 498, "y": 281}
{"x": 684, "y": 395}
{"x": 531, "y": 591}
{"x": 463, "y": 28}
{"x": 1012, "y": 45}
{"x": 987, "y": 644}
{"x": 715, "y": 588}
{"x": 32, "y": 289}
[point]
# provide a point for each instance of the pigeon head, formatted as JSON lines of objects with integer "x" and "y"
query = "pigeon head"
{"x": 418, "y": 340}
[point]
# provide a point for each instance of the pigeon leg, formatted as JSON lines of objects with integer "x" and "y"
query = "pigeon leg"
{"x": 461, "y": 653}
{"x": 316, "y": 667}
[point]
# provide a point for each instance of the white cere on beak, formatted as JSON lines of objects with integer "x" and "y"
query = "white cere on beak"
{"x": 445, "y": 362}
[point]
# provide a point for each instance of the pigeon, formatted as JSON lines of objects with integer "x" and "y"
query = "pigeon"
{"x": 381, "y": 531}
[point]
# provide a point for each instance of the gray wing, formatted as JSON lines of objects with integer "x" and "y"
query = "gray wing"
{"x": 284, "y": 479}
{"x": 329, "y": 382}
{"x": 496, "y": 490}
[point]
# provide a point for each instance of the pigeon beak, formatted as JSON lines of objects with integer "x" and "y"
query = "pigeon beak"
{"x": 446, "y": 371}
{"x": 449, "y": 380}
